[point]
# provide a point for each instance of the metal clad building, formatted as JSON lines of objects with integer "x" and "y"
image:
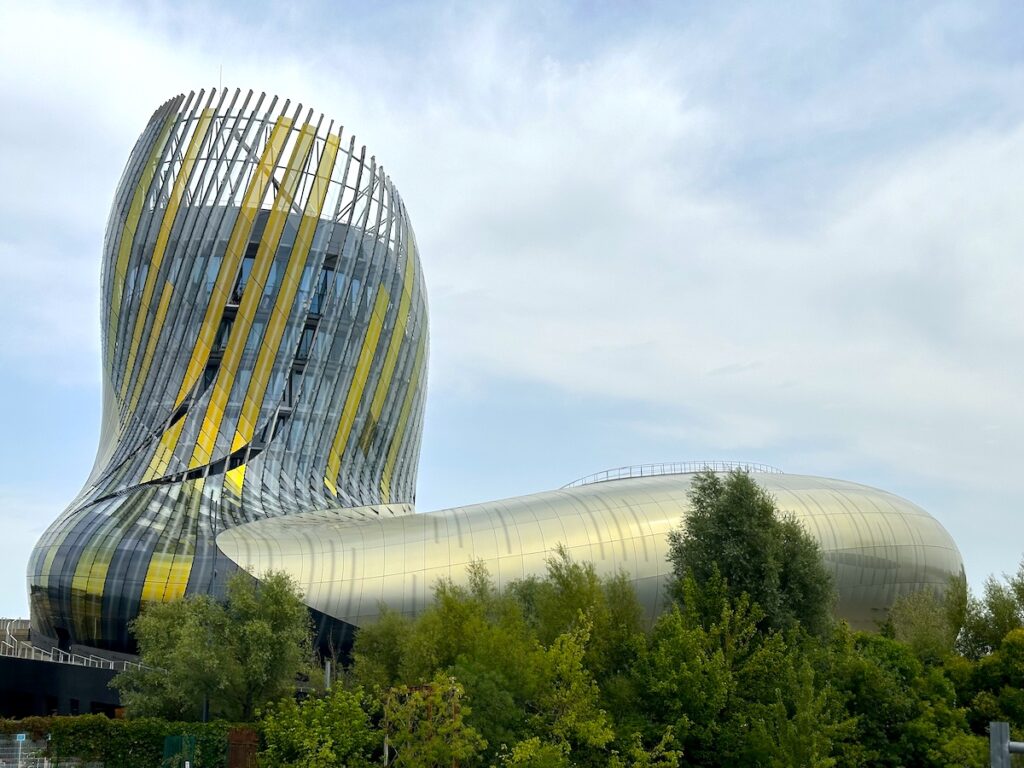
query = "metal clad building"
{"x": 877, "y": 545}
{"x": 265, "y": 344}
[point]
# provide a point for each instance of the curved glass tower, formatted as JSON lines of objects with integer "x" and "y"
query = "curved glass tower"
{"x": 264, "y": 352}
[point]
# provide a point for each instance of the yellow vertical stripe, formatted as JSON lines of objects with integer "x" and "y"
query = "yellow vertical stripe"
{"x": 251, "y": 298}
{"x": 83, "y": 570}
{"x": 171, "y": 563}
{"x": 355, "y": 390}
{"x": 166, "y": 577}
{"x": 87, "y": 587}
{"x": 164, "y": 235}
{"x": 154, "y": 336}
{"x": 282, "y": 307}
{"x": 226, "y": 276}
{"x": 394, "y": 346}
{"x": 403, "y": 420}
{"x": 131, "y": 224}
{"x": 233, "y": 255}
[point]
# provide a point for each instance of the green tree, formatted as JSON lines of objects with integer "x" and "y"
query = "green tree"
{"x": 332, "y": 731}
{"x": 996, "y": 685}
{"x": 734, "y": 535}
{"x": 534, "y": 753}
{"x": 570, "y": 595}
{"x": 927, "y": 621}
{"x": 661, "y": 755}
{"x": 688, "y": 681}
{"x": 906, "y": 713}
{"x": 471, "y": 632}
{"x": 735, "y": 695}
{"x": 426, "y": 725}
{"x": 226, "y": 658}
{"x": 568, "y": 699}
{"x": 988, "y": 619}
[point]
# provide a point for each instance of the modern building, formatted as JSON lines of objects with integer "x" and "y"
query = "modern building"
{"x": 264, "y": 352}
{"x": 264, "y": 357}
{"x": 877, "y": 545}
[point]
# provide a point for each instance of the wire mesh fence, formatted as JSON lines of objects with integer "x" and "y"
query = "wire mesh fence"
{"x": 20, "y": 751}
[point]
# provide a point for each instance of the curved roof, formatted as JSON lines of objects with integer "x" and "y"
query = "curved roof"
{"x": 878, "y": 545}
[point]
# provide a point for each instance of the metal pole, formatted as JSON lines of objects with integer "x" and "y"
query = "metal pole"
{"x": 327, "y": 675}
{"x": 999, "y": 745}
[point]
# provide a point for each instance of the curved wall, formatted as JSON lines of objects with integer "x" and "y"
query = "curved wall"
{"x": 878, "y": 545}
{"x": 264, "y": 352}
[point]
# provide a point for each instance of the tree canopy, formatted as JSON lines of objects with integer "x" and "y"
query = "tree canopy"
{"x": 560, "y": 671}
{"x": 735, "y": 541}
{"x": 225, "y": 658}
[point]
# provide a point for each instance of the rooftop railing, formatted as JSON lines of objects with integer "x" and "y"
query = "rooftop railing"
{"x": 671, "y": 468}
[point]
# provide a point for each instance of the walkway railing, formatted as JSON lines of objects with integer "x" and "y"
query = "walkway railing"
{"x": 13, "y": 647}
{"x": 671, "y": 468}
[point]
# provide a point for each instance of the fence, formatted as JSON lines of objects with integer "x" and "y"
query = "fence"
{"x": 19, "y": 751}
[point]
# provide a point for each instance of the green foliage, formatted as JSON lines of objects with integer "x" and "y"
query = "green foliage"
{"x": 906, "y": 713}
{"x": 329, "y": 731}
{"x": 925, "y": 621}
{"x": 525, "y": 657}
{"x": 567, "y": 698}
{"x": 735, "y": 539}
{"x": 988, "y": 619}
{"x": 734, "y": 695}
{"x": 135, "y": 743}
{"x": 534, "y": 753}
{"x": 572, "y": 595}
{"x": 474, "y": 634}
{"x": 426, "y": 725}
{"x": 235, "y": 657}
{"x": 996, "y": 685}
{"x": 561, "y": 674}
{"x": 661, "y": 755}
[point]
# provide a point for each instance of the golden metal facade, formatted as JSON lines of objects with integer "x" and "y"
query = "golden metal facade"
{"x": 878, "y": 546}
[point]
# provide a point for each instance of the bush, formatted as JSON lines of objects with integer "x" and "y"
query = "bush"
{"x": 135, "y": 743}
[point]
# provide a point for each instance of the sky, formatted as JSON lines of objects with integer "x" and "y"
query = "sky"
{"x": 787, "y": 233}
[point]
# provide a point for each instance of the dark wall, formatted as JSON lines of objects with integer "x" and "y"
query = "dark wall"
{"x": 31, "y": 687}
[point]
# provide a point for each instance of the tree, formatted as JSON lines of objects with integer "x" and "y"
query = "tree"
{"x": 906, "y": 713}
{"x": 572, "y": 595}
{"x": 534, "y": 753}
{"x": 568, "y": 700}
{"x": 928, "y": 621}
{"x": 473, "y": 633}
{"x": 224, "y": 660}
{"x": 735, "y": 538}
{"x": 997, "y": 684}
{"x": 332, "y": 731}
{"x": 426, "y": 725}
{"x": 990, "y": 618}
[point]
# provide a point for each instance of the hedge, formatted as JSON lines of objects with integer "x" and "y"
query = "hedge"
{"x": 136, "y": 743}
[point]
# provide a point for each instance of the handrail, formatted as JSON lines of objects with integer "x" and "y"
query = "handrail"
{"x": 671, "y": 468}
{"x": 11, "y": 646}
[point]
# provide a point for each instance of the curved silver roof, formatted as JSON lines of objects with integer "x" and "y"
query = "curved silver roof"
{"x": 878, "y": 545}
